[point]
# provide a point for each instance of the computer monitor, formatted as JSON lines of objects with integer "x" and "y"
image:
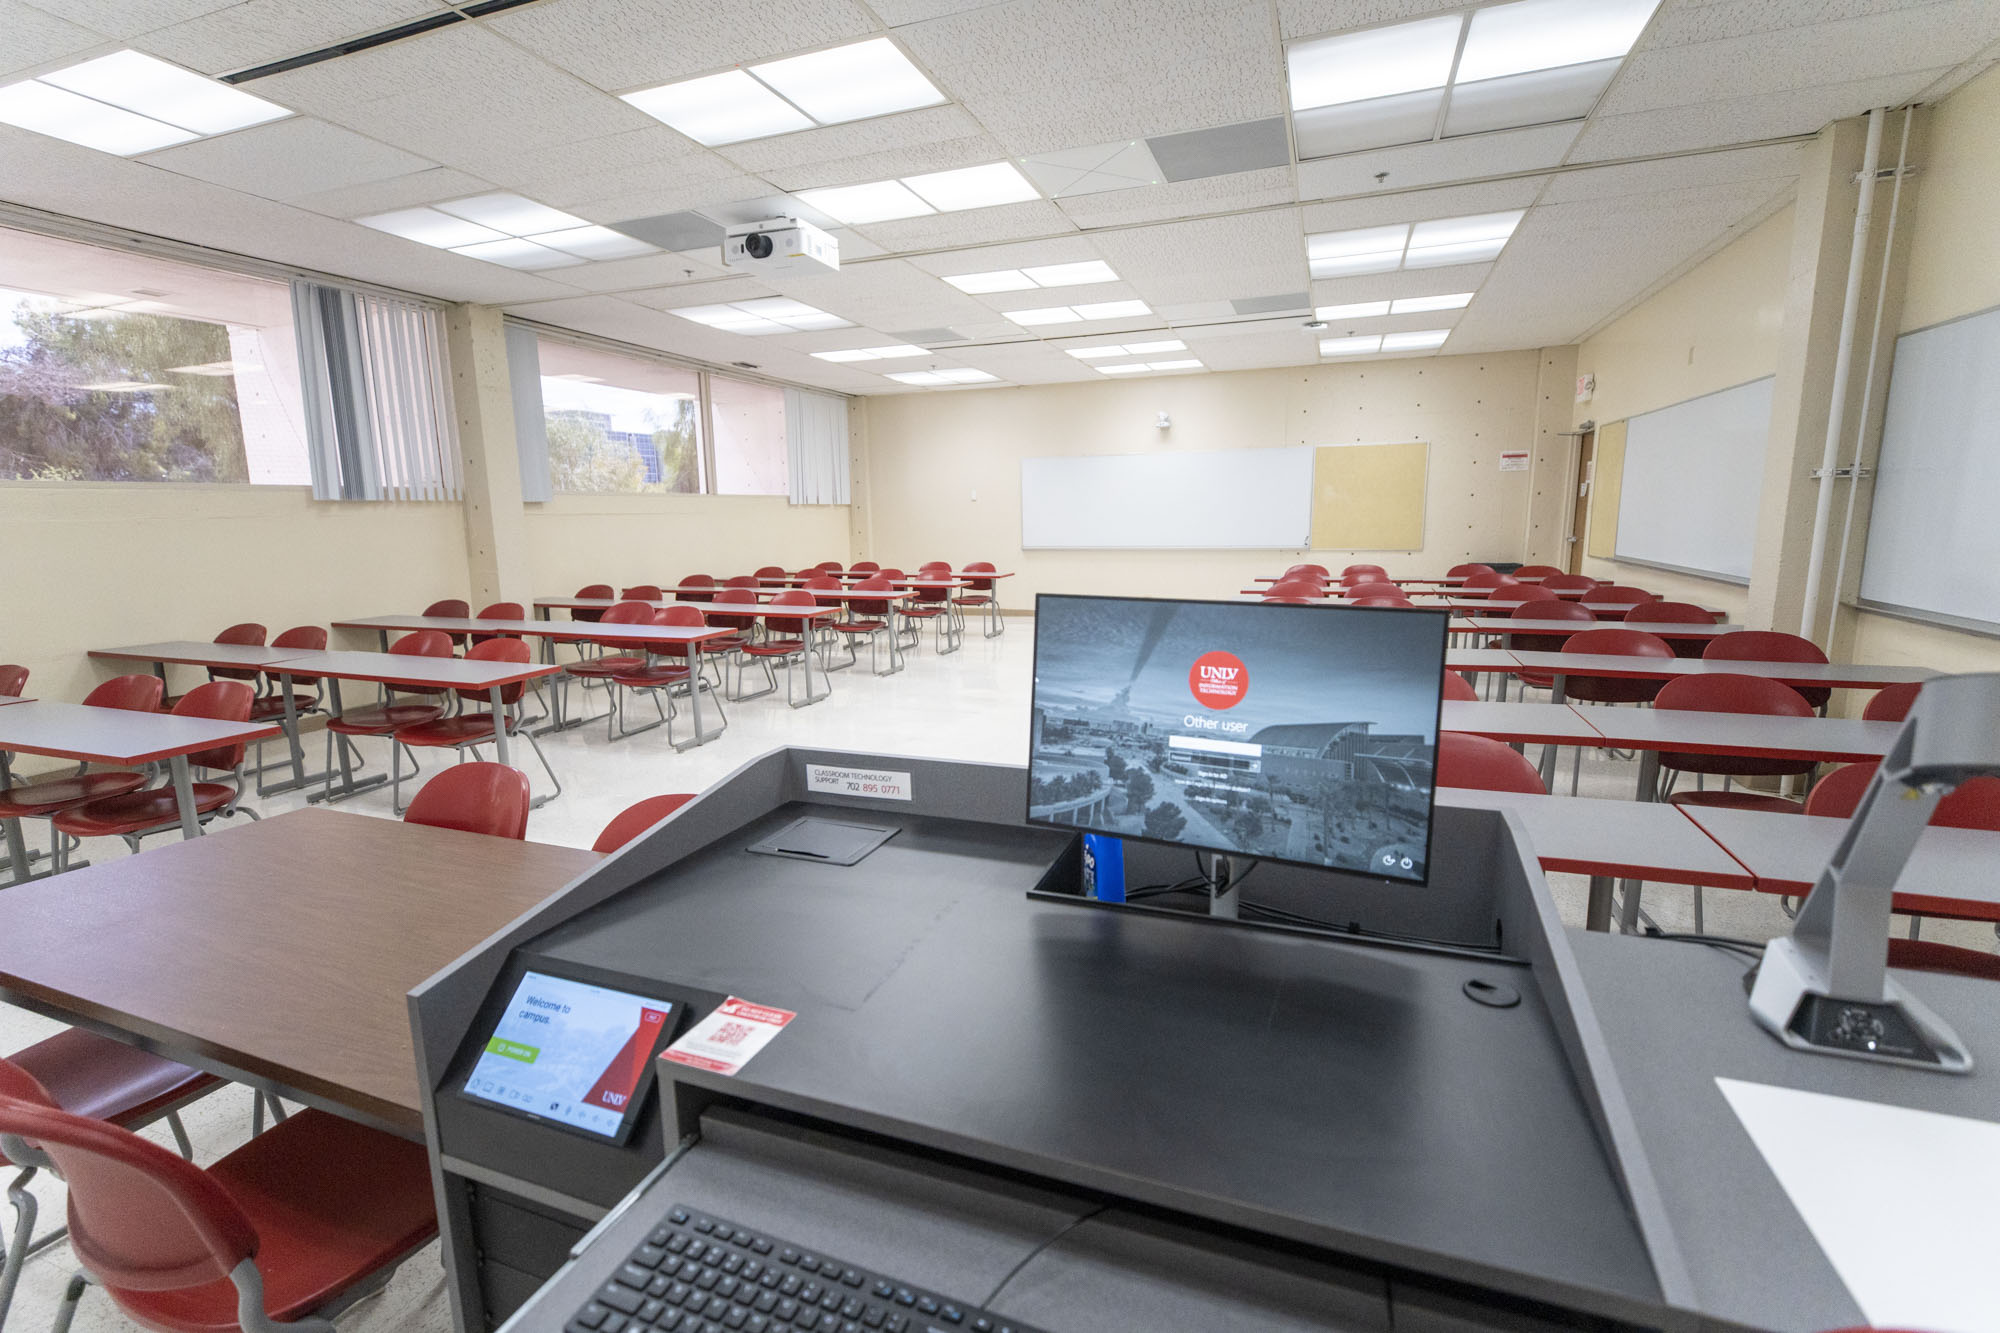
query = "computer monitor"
{"x": 1305, "y": 734}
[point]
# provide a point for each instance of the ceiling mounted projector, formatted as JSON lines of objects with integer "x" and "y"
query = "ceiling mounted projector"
{"x": 780, "y": 245}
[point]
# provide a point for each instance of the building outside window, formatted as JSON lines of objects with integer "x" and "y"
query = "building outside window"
{"x": 117, "y": 366}
{"x": 619, "y": 423}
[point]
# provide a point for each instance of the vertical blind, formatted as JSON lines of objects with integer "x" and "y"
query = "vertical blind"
{"x": 531, "y": 427}
{"x": 816, "y": 441}
{"x": 379, "y": 423}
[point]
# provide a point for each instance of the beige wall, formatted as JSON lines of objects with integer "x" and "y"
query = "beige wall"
{"x": 125, "y": 564}
{"x": 928, "y": 456}
{"x": 575, "y": 540}
{"x": 1717, "y": 326}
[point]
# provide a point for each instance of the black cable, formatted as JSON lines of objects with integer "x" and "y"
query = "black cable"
{"x": 1029, "y": 1257}
{"x": 1284, "y": 918}
{"x": 1729, "y": 942}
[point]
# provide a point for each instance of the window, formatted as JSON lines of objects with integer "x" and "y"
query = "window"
{"x": 123, "y": 367}
{"x": 750, "y": 447}
{"x": 618, "y": 423}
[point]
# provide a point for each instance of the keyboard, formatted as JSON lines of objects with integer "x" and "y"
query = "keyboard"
{"x": 695, "y": 1273}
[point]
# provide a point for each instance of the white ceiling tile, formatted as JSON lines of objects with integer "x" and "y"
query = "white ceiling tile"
{"x": 384, "y": 196}
{"x": 1773, "y": 162}
{"x": 972, "y": 226}
{"x": 1740, "y": 120}
{"x": 638, "y": 198}
{"x": 1179, "y": 199}
{"x": 897, "y": 13}
{"x": 1389, "y": 286}
{"x": 1212, "y": 259}
{"x": 1687, "y": 24}
{"x": 1061, "y": 250}
{"x": 856, "y": 139}
{"x": 35, "y": 37}
{"x": 626, "y": 44}
{"x": 248, "y": 33}
{"x": 1472, "y": 157}
{"x": 716, "y": 292}
{"x": 288, "y": 158}
{"x": 620, "y": 275}
{"x": 129, "y": 18}
{"x": 1451, "y": 201}
{"x": 1050, "y": 74}
{"x": 1310, "y": 18}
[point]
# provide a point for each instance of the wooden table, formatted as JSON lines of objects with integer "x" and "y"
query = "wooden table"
{"x": 1613, "y": 840}
{"x": 1652, "y": 730}
{"x": 278, "y": 954}
{"x": 1830, "y": 675}
{"x": 251, "y": 657}
{"x": 116, "y": 736}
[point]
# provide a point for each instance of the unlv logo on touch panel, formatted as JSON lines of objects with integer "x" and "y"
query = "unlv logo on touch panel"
{"x": 1219, "y": 680}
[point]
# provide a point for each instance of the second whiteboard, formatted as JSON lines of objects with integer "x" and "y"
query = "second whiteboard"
{"x": 1223, "y": 498}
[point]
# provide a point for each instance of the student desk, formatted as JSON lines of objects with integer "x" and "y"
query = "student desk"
{"x": 1832, "y": 675}
{"x": 1611, "y": 840}
{"x": 1506, "y": 628}
{"x": 1950, "y": 874}
{"x": 1619, "y": 610}
{"x": 277, "y": 954}
{"x": 115, "y": 736}
{"x": 1651, "y": 730}
{"x": 1519, "y": 723}
{"x": 185, "y": 652}
{"x": 16, "y": 699}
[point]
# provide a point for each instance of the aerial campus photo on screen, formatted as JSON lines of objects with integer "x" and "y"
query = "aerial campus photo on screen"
{"x": 1293, "y": 733}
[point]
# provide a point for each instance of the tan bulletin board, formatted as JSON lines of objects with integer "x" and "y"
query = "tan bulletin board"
{"x": 1606, "y": 483}
{"x": 1369, "y": 497}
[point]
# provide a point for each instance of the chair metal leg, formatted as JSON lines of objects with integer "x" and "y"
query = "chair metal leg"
{"x": 554, "y": 781}
{"x": 181, "y": 1140}
{"x": 24, "y": 1230}
{"x": 1697, "y": 909}
{"x": 66, "y": 1313}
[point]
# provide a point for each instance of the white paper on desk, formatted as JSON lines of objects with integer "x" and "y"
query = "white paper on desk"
{"x": 1905, "y": 1204}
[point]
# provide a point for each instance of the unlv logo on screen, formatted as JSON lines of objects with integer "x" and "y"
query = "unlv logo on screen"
{"x": 1219, "y": 680}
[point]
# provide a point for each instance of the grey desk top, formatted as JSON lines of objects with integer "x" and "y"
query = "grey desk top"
{"x": 1337, "y": 1094}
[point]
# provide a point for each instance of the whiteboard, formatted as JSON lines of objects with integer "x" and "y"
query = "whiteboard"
{"x": 1219, "y": 498}
{"x": 1933, "y": 540}
{"x": 1693, "y": 474}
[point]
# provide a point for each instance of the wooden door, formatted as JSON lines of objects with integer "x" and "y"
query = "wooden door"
{"x": 1586, "y": 458}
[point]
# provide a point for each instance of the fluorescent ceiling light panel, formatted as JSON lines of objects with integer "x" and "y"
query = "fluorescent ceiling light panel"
{"x": 1165, "y": 345}
{"x": 1096, "y": 353}
{"x": 1411, "y": 342}
{"x": 1113, "y": 309}
{"x": 1000, "y": 280}
{"x": 1465, "y": 240}
{"x": 889, "y": 353}
{"x": 972, "y": 187}
{"x": 1365, "y": 345}
{"x": 1332, "y": 254}
{"x": 852, "y": 82}
{"x": 1071, "y": 275}
{"x": 857, "y": 205}
{"x": 721, "y": 109}
{"x": 1379, "y": 62}
{"x": 1356, "y": 310}
{"x": 1189, "y": 364}
{"x": 1137, "y": 369}
{"x": 851, "y": 354}
{"x": 60, "y": 114}
{"x": 770, "y": 314}
{"x": 510, "y": 214}
{"x": 1055, "y": 314}
{"x": 966, "y": 376}
{"x": 1544, "y": 34}
{"x": 927, "y": 378}
{"x": 514, "y": 252}
{"x": 590, "y": 242}
{"x": 1411, "y": 305}
{"x": 430, "y": 227}
{"x": 153, "y": 88}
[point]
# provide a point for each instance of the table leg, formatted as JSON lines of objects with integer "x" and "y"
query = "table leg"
{"x": 1649, "y": 775}
{"x": 383, "y": 636}
{"x": 499, "y": 726}
{"x": 348, "y": 786}
{"x": 17, "y": 843}
{"x": 1597, "y": 916}
{"x": 1628, "y": 916}
{"x": 1558, "y": 689}
{"x": 184, "y": 796}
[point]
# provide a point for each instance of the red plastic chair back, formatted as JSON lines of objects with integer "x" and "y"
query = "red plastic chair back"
{"x": 635, "y": 819}
{"x": 1669, "y": 613}
{"x": 1313, "y": 569}
{"x": 138, "y": 694}
{"x": 1489, "y": 579}
{"x": 1484, "y": 764}
{"x": 140, "y": 1216}
{"x": 1614, "y": 689}
{"x": 451, "y": 608}
{"x": 1467, "y": 571}
{"x": 696, "y": 588}
{"x": 770, "y": 572}
{"x": 1350, "y": 571}
{"x": 1458, "y": 687}
{"x": 627, "y": 613}
{"x": 592, "y": 590}
{"x": 863, "y": 567}
{"x": 503, "y": 611}
{"x": 1399, "y": 602}
{"x": 679, "y": 613}
{"x": 933, "y": 567}
{"x": 307, "y": 639}
{"x": 1614, "y": 594}
{"x": 733, "y": 597}
{"x": 1763, "y": 645}
{"x": 1302, "y": 589}
{"x": 742, "y": 581}
{"x": 889, "y": 572}
{"x": 862, "y": 610}
{"x": 476, "y": 797}
{"x": 1546, "y": 609}
{"x": 1974, "y": 805}
{"x": 223, "y": 701}
{"x": 1890, "y": 704}
{"x": 248, "y": 635}
{"x": 829, "y": 566}
{"x": 1536, "y": 571}
{"x": 498, "y": 648}
{"x": 423, "y": 643}
{"x": 13, "y": 679}
{"x": 1371, "y": 590}
{"x": 791, "y": 597}
{"x": 643, "y": 592}
{"x": 979, "y": 567}
{"x": 823, "y": 583}
{"x": 1728, "y": 692}
{"x": 1565, "y": 582}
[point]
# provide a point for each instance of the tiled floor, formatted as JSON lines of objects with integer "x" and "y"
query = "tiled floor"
{"x": 973, "y": 705}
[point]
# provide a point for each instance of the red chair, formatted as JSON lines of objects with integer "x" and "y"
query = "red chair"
{"x": 498, "y": 611}
{"x": 1484, "y": 764}
{"x": 155, "y": 809}
{"x": 809, "y": 572}
{"x": 1762, "y": 645}
{"x": 1728, "y": 692}
{"x": 1568, "y": 582}
{"x": 468, "y": 731}
{"x": 138, "y": 694}
{"x": 1975, "y": 804}
{"x": 1891, "y": 703}
{"x": 829, "y": 567}
{"x": 1536, "y": 572}
{"x": 617, "y": 655}
{"x": 301, "y": 1220}
{"x": 93, "y": 1076}
{"x": 742, "y": 581}
{"x": 934, "y": 567}
{"x": 1369, "y": 590}
{"x": 770, "y": 572}
{"x": 874, "y": 621}
{"x": 934, "y": 604}
{"x": 1611, "y": 601}
{"x": 1458, "y": 687}
{"x": 864, "y": 567}
{"x": 13, "y": 679}
{"x": 387, "y": 718}
{"x": 1310, "y": 573}
{"x": 1489, "y": 579}
{"x": 1523, "y": 594}
{"x": 269, "y": 707}
{"x": 474, "y": 797}
{"x": 248, "y": 635}
{"x": 1467, "y": 571}
{"x": 1399, "y": 602}
{"x": 595, "y": 591}
{"x": 451, "y": 608}
{"x": 1349, "y": 571}
{"x": 638, "y": 818}
{"x": 742, "y": 628}
{"x": 1609, "y": 689}
{"x": 1547, "y": 609}
{"x": 1302, "y": 589}
{"x": 644, "y": 592}
{"x": 981, "y": 592}
{"x": 889, "y": 572}
{"x": 1924, "y": 956}
{"x": 1671, "y": 613}
{"x": 784, "y": 640}
{"x": 695, "y": 588}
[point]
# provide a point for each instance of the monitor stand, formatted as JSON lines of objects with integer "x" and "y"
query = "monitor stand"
{"x": 1225, "y": 874}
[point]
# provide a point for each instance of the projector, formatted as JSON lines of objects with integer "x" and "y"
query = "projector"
{"x": 780, "y": 245}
